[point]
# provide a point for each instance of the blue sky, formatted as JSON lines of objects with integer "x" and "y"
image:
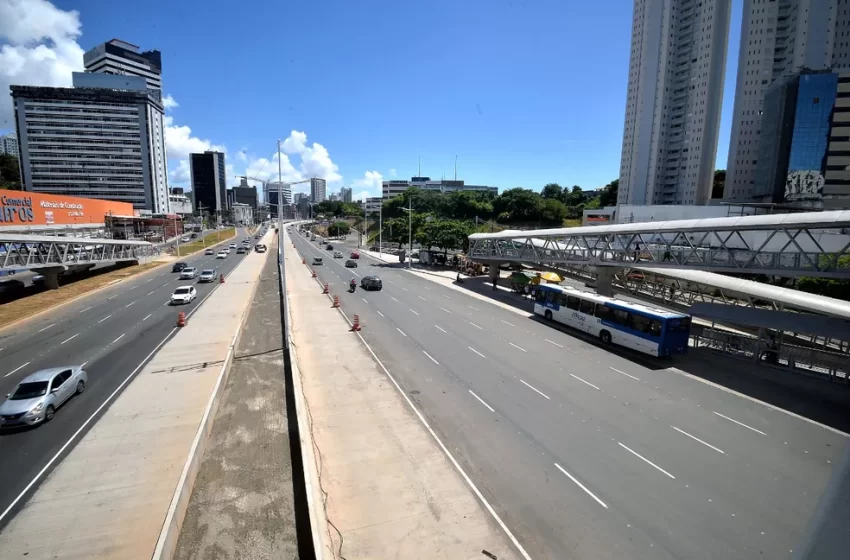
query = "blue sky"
{"x": 523, "y": 92}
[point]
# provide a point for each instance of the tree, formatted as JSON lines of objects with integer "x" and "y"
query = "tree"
{"x": 552, "y": 211}
{"x": 445, "y": 234}
{"x": 719, "y": 183}
{"x": 337, "y": 229}
{"x": 518, "y": 205}
{"x": 608, "y": 196}
{"x": 552, "y": 190}
{"x": 10, "y": 173}
{"x": 574, "y": 197}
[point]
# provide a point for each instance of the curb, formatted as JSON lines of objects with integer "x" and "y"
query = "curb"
{"x": 170, "y": 533}
{"x": 37, "y": 314}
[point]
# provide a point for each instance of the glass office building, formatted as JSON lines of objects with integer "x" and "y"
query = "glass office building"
{"x": 816, "y": 95}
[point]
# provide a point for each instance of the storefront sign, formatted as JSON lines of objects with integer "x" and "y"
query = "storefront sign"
{"x": 34, "y": 209}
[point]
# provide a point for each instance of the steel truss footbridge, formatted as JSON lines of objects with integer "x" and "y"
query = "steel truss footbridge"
{"x": 37, "y": 252}
{"x": 804, "y": 244}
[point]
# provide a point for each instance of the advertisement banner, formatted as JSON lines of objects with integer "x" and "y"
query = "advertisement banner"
{"x": 22, "y": 208}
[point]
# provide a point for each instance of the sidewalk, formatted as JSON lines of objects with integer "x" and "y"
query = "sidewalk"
{"x": 119, "y": 489}
{"x": 391, "y": 491}
{"x": 242, "y": 505}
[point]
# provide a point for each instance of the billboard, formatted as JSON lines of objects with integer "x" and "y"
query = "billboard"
{"x": 23, "y": 208}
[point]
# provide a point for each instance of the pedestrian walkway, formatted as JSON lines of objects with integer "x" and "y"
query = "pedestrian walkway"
{"x": 391, "y": 491}
{"x": 242, "y": 503}
{"x": 118, "y": 493}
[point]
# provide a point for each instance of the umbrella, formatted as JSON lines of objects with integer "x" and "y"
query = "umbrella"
{"x": 550, "y": 277}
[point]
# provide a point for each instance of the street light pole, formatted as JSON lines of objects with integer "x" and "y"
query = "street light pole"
{"x": 410, "y": 233}
{"x": 381, "y": 228}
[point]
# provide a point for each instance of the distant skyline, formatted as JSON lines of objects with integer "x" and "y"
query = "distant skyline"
{"x": 523, "y": 94}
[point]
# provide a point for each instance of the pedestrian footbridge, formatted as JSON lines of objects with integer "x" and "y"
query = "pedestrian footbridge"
{"x": 803, "y": 244}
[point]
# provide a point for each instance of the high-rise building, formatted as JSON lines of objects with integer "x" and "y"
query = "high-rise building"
{"x": 778, "y": 39}
{"x": 122, "y": 58}
{"x": 318, "y": 191}
{"x": 246, "y": 194}
{"x": 209, "y": 187}
{"x": 103, "y": 142}
{"x": 345, "y": 194}
{"x": 396, "y": 187}
{"x": 9, "y": 144}
{"x": 673, "y": 99}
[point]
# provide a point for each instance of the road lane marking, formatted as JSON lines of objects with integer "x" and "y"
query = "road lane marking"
{"x": 555, "y": 343}
{"x": 401, "y": 331}
{"x": 129, "y": 304}
{"x": 104, "y": 319}
{"x": 150, "y": 292}
{"x": 147, "y": 317}
{"x": 132, "y": 288}
{"x": 475, "y": 308}
{"x": 432, "y": 358}
{"x": 447, "y": 297}
{"x": 422, "y": 298}
{"x": 446, "y": 310}
{"x": 379, "y": 313}
{"x": 481, "y": 400}
{"x": 639, "y": 456}
{"x": 403, "y": 288}
{"x": 17, "y": 368}
{"x": 414, "y": 312}
{"x": 535, "y": 389}
{"x": 476, "y": 351}
{"x": 626, "y": 374}
{"x": 507, "y": 323}
{"x": 587, "y": 382}
{"x": 739, "y": 423}
{"x": 82, "y": 365}
{"x": 582, "y": 486}
{"x": 113, "y": 297}
{"x": 364, "y": 300}
{"x": 69, "y": 339}
{"x": 148, "y": 280}
{"x": 394, "y": 299}
{"x": 697, "y": 439}
{"x": 48, "y": 327}
{"x": 517, "y": 347}
{"x": 427, "y": 288}
{"x": 441, "y": 328}
{"x": 119, "y": 338}
{"x": 474, "y": 325}
{"x": 86, "y": 309}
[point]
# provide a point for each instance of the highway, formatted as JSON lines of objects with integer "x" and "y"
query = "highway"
{"x": 583, "y": 452}
{"x": 113, "y": 331}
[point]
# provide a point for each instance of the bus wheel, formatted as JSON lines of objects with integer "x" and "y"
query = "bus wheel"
{"x": 605, "y": 337}
{"x": 548, "y": 315}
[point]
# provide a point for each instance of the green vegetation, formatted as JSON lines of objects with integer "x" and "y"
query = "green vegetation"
{"x": 10, "y": 173}
{"x": 337, "y": 229}
{"x": 208, "y": 240}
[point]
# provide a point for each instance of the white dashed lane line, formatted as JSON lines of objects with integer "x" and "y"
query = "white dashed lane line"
{"x": 446, "y": 310}
{"x": 507, "y": 323}
{"x": 441, "y": 328}
{"x": 119, "y": 338}
{"x": 147, "y": 317}
{"x": 476, "y": 351}
{"x": 17, "y": 369}
{"x": 113, "y": 297}
{"x": 422, "y": 298}
{"x": 364, "y": 300}
{"x": 104, "y": 319}
{"x": 394, "y": 299}
{"x": 401, "y": 331}
{"x": 517, "y": 347}
{"x": 432, "y": 358}
{"x": 626, "y": 374}
{"x": 555, "y": 343}
{"x": 473, "y": 308}
{"x": 150, "y": 292}
{"x": 683, "y": 432}
{"x": 739, "y": 423}
{"x": 481, "y": 401}
{"x": 474, "y": 325}
{"x": 69, "y": 339}
{"x": 129, "y": 304}
{"x": 585, "y": 382}
{"x": 86, "y": 309}
{"x": 582, "y": 486}
{"x": 414, "y": 312}
{"x": 379, "y": 313}
{"x": 535, "y": 389}
{"x": 47, "y": 327}
{"x": 641, "y": 457}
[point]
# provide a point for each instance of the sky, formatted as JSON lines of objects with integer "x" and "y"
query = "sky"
{"x": 521, "y": 92}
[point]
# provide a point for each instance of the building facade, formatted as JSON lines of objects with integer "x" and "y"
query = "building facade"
{"x": 9, "y": 144}
{"x": 180, "y": 204}
{"x": 673, "y": 101}
{"x": 804, "y": 145}
{"x": 93, "y": 142}
{"x": 318, "y": 190}
{"x": 393, "y": 188}
{"x": 345, "y": 194}
{"x": 373, "y": 204}
{"x": 246, "y": 194}
{"x": 778, "y": 39}
{"x": 121, "y": 58}
{"x": 209, "y": 188}
{"x": 243, "y": 214}
{"x": 272, "y": 189}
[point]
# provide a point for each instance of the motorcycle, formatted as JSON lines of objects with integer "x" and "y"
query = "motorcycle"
{"x": 352, "y": 288}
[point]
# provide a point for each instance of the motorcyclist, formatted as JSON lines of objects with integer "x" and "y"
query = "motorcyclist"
{"x": 352, "y": 285}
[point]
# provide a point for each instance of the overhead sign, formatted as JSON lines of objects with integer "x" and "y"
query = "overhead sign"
{"x": 22, "y": 208}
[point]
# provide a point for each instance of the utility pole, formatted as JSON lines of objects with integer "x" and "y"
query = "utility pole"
{"x": 381, "y": 228}
{"x": 410, "y": 233}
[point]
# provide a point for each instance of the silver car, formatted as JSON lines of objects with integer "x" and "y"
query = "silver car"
{"x": 207, "y": 275}
{"x": 37, "y": 397}
{"x": 188, "y": 273}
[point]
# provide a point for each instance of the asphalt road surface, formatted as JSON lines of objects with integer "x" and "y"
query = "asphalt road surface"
{"x": 583, "y": 451}
{"x": 113, "y": 332}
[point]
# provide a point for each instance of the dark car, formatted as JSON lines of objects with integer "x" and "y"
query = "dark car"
{"x": 241, "y": 251}
{"x": 178, "y": 267}
{"x": 260, "y": 248}
{"x": 350, "y": 264}
{"x": 194, "y": 236}
{"x": 371, "y": 283}
{"x": 329, "y": 247}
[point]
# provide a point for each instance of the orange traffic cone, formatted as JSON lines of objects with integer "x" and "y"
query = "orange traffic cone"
{"x": 303, "y": 261}
{"x": 356, "y": 324}
{"x": 336, "y": 301}
{"x": 221, "y": 278}
{"x": 181, "y": 319}
{"x": 314, "y": 274}
{"x": 325, "y": 289}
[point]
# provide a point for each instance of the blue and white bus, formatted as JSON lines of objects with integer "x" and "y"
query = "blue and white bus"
{"x": 635, "y": 326}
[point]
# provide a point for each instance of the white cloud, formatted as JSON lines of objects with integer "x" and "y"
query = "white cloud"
{"x": 180, "y": 175}
{"x": 315, "y": 159}
{"x": 371, "y": 181}
{"x": 39, "y": 48}
{"x": 362, "y": 195}
{"x": 179, "y": 141}
{"x": 393, "y": 173}
{"x": 242, "y": 155}
{"x": 169, "y": 102}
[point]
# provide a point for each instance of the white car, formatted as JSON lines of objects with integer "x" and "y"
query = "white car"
{"x": 233, "y": 245}
{"x": 188, "y": 273}
{"x": 183, "y": 294}
{"x": 185, "y": 239}
{"x": 221, "y": 255}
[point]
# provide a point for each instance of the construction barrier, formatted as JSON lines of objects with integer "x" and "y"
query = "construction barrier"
{"x": 181, "y": 319}
{"x": 325, "y": 289}
{"x": 355, "y": 326}
{"x": 336, "y": 301}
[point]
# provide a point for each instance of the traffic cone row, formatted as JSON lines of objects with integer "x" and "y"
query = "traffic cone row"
{"x": 181, "y": 319}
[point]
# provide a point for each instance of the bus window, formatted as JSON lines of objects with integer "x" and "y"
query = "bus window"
{"x": 679, "y": 325}
{"x": 603, "y": 312}
{"x": 655, "y": 327}
{"x": 622, "y": 317}
{"x": 572, "y": 303}
{"x": 541, "y": 296}
{"x": 586, "y": 307}
{"x": 644, "y": 324}
{"x": 561, "y": 299}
